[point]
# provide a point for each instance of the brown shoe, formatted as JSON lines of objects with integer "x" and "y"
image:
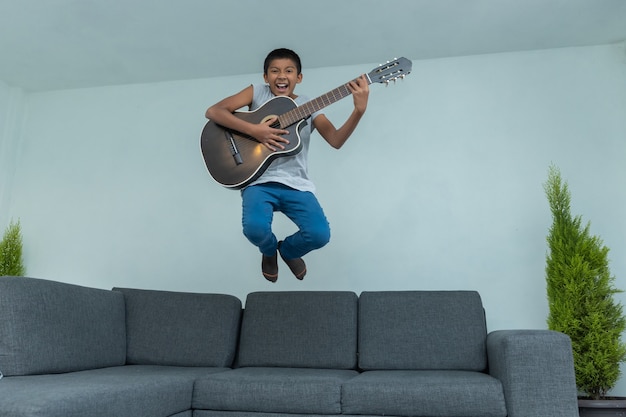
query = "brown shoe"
{"x": 297, "y": 265}
{"x": 269, "y": 267}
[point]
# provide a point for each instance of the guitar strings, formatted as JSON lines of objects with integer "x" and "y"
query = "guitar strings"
{"x": 310, "y": 107}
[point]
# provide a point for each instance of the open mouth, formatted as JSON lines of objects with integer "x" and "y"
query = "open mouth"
{"x": 281, "y": 87}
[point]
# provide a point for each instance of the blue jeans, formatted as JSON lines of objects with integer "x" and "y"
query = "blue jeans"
{"x": 259, "y": 202}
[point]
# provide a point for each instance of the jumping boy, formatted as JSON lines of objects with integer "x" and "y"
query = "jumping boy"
{"x": 285, "y": 185}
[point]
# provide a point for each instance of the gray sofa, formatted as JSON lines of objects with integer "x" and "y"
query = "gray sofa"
{"x": 70, "y": 351}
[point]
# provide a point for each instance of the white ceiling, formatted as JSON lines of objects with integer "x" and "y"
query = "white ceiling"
{"x": 62, "y": 44}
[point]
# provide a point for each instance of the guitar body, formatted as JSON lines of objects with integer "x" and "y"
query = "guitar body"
{"x": 235, "y": 160}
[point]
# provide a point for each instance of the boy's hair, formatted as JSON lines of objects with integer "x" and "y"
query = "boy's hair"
{"x": 281, "y": 53}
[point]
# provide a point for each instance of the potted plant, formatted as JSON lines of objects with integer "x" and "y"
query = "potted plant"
{"x": 580, "y": 291}
{"x": 11, "y": 262}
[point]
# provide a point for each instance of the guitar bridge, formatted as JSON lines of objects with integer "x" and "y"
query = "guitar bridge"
{"x": 234, "y": 151}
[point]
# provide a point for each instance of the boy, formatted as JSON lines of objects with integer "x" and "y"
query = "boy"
{"x": 285, "y": 185}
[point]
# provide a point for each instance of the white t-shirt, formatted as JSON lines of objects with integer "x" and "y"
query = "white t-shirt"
{"x": 291, "y": 171}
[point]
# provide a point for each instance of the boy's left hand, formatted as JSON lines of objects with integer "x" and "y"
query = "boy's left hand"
{"x": 360, "y": 91}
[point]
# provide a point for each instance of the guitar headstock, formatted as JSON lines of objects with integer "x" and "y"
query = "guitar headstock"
{"x": 391, "y": 71}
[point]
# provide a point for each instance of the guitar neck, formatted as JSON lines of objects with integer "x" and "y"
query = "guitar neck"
{"x": 310, "y": 107}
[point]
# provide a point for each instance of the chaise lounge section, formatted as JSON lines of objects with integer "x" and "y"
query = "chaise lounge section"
{"x": 67, "y": 350}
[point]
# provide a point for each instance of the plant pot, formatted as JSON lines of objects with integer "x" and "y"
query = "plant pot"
{"x": 610, "y": 407}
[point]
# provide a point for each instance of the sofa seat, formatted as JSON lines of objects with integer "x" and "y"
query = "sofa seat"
{"x": 424, "y": 393}
{"x": 273, "y": 390}
{"x": 124, "y": 391}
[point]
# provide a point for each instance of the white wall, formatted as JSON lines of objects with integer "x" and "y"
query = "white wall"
{"x": 440, "y": 187}
{"x": 11, "y": 113}
{"x": 5, "y": 140}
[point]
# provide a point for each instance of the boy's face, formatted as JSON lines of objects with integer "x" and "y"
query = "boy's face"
{"x": 282, "y": 77}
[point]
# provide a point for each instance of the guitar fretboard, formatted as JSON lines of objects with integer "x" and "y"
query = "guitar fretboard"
{"x": 310, "y": 107}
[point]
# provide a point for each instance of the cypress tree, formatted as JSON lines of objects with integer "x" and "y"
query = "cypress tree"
{"x": 11, "y": 262}
{"x": 581, "y": 293}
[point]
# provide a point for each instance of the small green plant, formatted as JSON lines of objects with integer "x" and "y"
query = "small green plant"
{"x": 580, "y": 294}
{"x": 11, "y": 262}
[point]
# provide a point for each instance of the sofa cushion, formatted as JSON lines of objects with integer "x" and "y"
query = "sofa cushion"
{"x": 138, "y": 391}
{"x": 273, "y": 390}
{"x": 422, "y": 330}
{"x": 299, "y": 329}
{"x": 424, "y": 393}
{"x": 50, "y": 327}
{"x": 181, "y": 329}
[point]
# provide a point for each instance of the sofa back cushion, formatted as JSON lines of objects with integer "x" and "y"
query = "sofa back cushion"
{"x": 422, "y": 330}
{"x": 53, "y": 327}
{"x": 181, "y": 329}
{"x": 300, "y": 329}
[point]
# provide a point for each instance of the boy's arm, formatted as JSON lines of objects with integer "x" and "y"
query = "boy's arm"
{"x": 337, "y": 137}
{"x": 222, "y": 114}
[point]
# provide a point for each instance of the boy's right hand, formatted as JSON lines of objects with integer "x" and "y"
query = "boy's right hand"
{"x": 269, "y": 136}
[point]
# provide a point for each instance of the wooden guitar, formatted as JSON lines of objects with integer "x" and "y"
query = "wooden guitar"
{"x": 235, "y": 160}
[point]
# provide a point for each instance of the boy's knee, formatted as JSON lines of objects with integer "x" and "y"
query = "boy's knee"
{"x": 256, "y": 232}
{"x": 319, "y": 237}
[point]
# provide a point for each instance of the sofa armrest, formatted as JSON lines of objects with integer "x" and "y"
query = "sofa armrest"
{"x": 536, "y": 369}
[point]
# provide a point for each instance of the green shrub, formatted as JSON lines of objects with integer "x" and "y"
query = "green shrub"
{"x": 11, "y": 251}
{"x": 580, "y": 294}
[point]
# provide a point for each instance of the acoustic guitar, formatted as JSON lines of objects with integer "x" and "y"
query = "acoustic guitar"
{"x": 235, "y": 160}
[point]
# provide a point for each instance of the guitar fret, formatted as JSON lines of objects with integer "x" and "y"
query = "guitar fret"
{"x": 310, "y": 107}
